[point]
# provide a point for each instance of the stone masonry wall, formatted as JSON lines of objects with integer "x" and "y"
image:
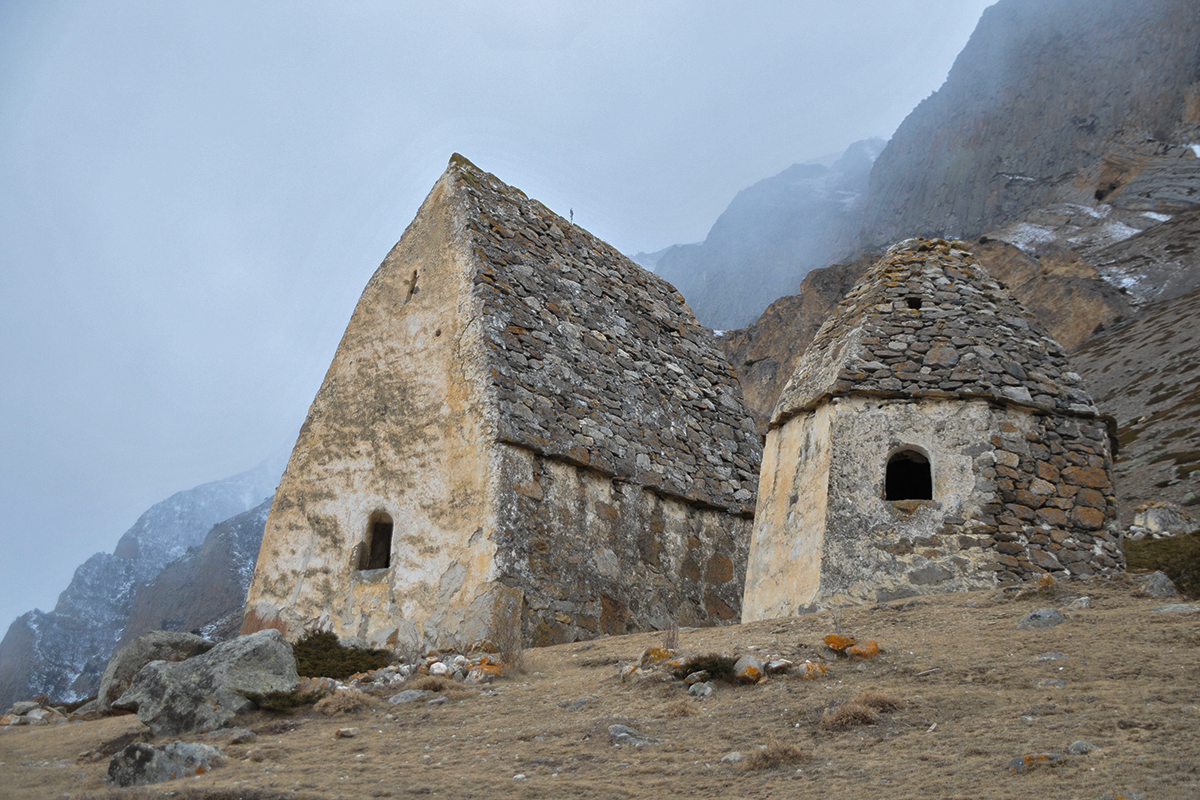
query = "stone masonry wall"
{"x": 1054, "y": 498}
{"x": 598, "y": 362}
{"x": 593, "y": 555}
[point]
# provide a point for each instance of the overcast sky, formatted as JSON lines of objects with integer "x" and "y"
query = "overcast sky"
{"x": 193, "y": 195}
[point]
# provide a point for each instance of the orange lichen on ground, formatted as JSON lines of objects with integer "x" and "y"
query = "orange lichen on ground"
{"x": 868, "y": 649}
{"x": 653, "y": 655}
{"x": 838, "y": 643}
{"x": 809, "y": 671}
{"x": 751, "y": 673}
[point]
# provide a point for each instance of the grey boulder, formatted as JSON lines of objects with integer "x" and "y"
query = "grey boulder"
{"x": 205, "y": 692}
{"x": 140, "y": 764}
{"x": 129, "y": 660}
{"x": 1042, "y": 618}
{"x": 1156, "y": 584}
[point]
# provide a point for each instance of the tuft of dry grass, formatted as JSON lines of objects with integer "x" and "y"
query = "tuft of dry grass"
{"x": 671, "y": 636}
{"x": 848, "y": 715}
{"x": 345, "y": 701}
{"x": 775, "y": 754}
{"x": 680, "y": 708}
{"x": 430, "y": 683}
{"x": 883, "y": 703}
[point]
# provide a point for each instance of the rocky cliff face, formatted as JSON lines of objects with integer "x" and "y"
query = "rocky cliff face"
{"x": 777, "y": 230}
{"x": 1146, "y": 373}
{"x": 204, "y": 590}
{"x": 62, "y": 652}
{"x": 1061, "y": 101}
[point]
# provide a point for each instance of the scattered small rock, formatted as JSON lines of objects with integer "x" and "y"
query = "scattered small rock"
{"x": 703, "y": 689}
{"x": 748, "y": 669}
{"x": 410, "y": 696}
{"x": 346, "y": 733}
{"x": 864, "y": 650}
{"x": 1079, "y": 603}
{"x": 1183, "y": 607}
{"x": 1082, "y": 748}
{"x": 809, "y": 671}
{"x": 438, "y": 701}
{"x": 1053, "y": 655}
{"x": 838, "y": 644}
{"x": 732, "y": 758}
{"x": 23, "y": 707}
{"x": 624, "y": 736}
{"x": 234, "y": 735}
{"x": 1041, "y": 618}
{"x": 1156, "y": 584}
{"x": 1030, "y": 760}
{"x": 1051, "y": 683}
{"x": 575, "y": 705}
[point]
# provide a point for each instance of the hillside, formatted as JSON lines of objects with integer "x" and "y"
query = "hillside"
{"x": 1066, "y": 101}
{"x": 1146, "y": 373}
{"x": 974, "y": 692}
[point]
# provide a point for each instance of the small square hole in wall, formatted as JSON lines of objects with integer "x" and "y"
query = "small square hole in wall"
{"x": 913, "y": 302}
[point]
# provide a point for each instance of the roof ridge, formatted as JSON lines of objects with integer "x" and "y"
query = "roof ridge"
{"x": 928, "y": 320}
{"x": 598, "y": 362}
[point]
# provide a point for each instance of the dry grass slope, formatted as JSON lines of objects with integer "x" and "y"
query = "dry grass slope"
{"x": 958, "y": 692}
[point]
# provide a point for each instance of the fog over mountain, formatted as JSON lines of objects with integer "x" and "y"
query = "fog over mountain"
{"x": 192, "y": 195}
{"x": 771, "y": 235}
{"x": 63, "y": 652}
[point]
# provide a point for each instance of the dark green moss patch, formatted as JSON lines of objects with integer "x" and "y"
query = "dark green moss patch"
{"x": 283, "y": 701}
{"x": 1178, "y": 557}
{"x": 320, "y": 655}
{"x": 718, "y": 667}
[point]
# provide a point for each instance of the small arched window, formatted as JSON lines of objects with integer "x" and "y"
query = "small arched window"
{"x": 908, "y": 477}
{"x": 377, "y": 549}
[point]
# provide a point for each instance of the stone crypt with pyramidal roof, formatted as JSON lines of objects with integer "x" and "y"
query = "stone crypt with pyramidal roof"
{"x": 933, "y": 438}
{"x": 522, "y": 431}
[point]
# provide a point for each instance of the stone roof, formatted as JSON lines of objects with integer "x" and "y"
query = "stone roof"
{"x": 966, "y": 337}
{"x": 598, "y": 362}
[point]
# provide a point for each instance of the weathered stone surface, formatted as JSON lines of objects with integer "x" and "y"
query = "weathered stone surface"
{"x": 1041, "y": 618}
{"x": 1083, "y": 748}
{"x": 1026, "y": 762}
{"x": 1165, "y": 518}
{"x": 128, "y": 661}
{"x": 140, "y": 764}
{"x": 410, "y": 696}
{"x": 558, "y": 448}
{"x": 1156, "y": 584}
{"x": 205, "y": 692}
{"x": 624, "y": 736}
{"x": 749, "y": 668}
{"x": 23, "y": 707}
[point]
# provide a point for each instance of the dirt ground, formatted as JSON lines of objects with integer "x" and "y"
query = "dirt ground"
{"x": 975, "y": 696}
